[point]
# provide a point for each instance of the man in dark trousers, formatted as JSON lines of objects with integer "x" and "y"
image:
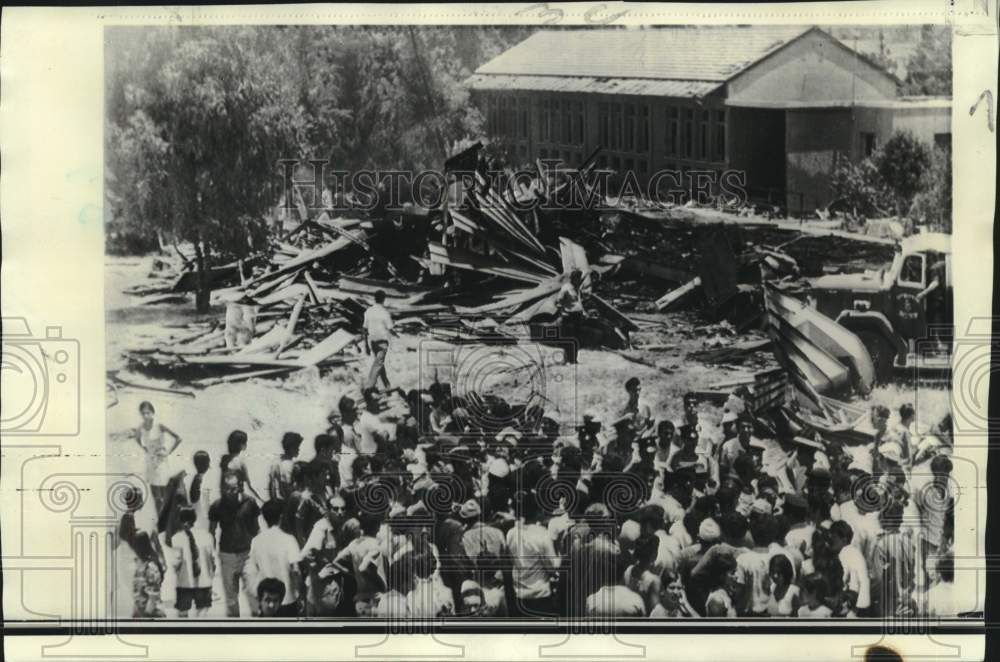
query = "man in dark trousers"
{"x": 234, "y": 517}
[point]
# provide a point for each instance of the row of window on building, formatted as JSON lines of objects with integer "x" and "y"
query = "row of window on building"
{"x": 690, "y": 133}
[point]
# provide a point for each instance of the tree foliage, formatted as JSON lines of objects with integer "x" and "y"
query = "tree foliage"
{"x": 198, "y": 118}
{"x": 859, "y": 188}
{"x": 199, "y": 136}
{"x": 928, "y": 71}
{"x": 932, "y": 205}
{"x": 892, "y": 178}
{"x": 901, "y": 164}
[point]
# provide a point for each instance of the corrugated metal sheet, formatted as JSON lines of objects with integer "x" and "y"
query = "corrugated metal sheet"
{"x": 589, "y": 84}
{"x": 670, "y": 53}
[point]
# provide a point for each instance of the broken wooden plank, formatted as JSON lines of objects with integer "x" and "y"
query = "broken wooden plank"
{"x": 460, "y": 259}
{"x": 306, "y": 257}
{"x": 242, "y": 376}
{"x": 613, "y": 313}
{"x": 513, "y": 298}
{"x": 332, "y": 344}
{"x": 673, "y": 296}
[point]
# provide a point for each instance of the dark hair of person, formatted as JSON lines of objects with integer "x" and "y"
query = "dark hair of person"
{"x": 720, "y": 566}
{"x": 891, "y": 516}
{"x": 272, "y": 511}
{"x": 187, "y": 516}
{"x": 779, "y": 563}
{"x": 235, "y": 443}
{"x": 763, "y": 529}
{"x": 733, "y": 526}
{"x": 380, "y": 296}
{"x": 323, "y": 443}
{"x": 290, "y": 442}
{"x": 202, "y": 460}
{"x": 345, "y": 405}
{"x": 941, "y": 465}
{"x": 271, "y": 585}
{"x": 646, "y": 548}
{"x": 142, "y": 545}
{"x": 370, "y": 523}
{"x": 842, "y": 530}
{"x": 946, "y": 568}
{"x": 146, "y": 404}
{"x": 727, "y": 497}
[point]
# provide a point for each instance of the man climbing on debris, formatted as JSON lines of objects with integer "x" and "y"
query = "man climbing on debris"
{"x": 569, "y": 307}
{"x": 377, "y": 328}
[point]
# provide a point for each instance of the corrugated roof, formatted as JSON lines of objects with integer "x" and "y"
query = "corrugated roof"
{"x": 636, "y": 86}
{"x": 673, "y": 53}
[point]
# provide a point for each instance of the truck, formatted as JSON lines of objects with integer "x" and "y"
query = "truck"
{"x": 903, "y": 314}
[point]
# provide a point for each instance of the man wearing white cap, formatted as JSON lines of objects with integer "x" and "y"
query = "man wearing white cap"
{"x": 479, "y": 537}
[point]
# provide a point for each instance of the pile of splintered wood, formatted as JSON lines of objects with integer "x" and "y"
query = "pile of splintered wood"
{"x": 481, "y": 267}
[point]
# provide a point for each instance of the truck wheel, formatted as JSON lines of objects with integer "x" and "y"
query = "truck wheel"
{"x": 881, "y": 353}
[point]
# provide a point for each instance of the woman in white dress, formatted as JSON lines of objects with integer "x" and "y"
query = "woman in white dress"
{"x": 151, "y": 437}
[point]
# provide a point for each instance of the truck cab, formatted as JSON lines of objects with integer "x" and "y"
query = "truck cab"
{"x": 904, "y": 313}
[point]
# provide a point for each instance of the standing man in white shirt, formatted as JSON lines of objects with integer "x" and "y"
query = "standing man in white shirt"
{"x": 856, "y": 577}
{"x": 534, "y": 559}
{"x": 377, "y": 329}
{"x": 274, "y": 553}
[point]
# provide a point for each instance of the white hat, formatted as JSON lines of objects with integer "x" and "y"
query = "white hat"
{"x": 708, "y": 530}
{"x": 499, "y": 468}
{"x": 630, "y": 531}
{"x": 928, "y": 444}
{"x": 507, "y": 433}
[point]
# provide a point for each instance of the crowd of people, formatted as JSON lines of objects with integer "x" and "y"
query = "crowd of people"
{"x": 472, "y": 506}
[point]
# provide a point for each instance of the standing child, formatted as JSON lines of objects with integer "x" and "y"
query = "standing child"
{"x": 200, "y": 492}
{"x": 194, "y": 564}
{"x": 148, "y": 578}
{"x": 235, "y": 461}
{"x": 279, "y": 477}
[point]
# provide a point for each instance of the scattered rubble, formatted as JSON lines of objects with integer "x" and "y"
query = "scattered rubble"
{"x": 468, "y": 270}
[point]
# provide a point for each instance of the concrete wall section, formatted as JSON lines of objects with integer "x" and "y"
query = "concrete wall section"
{"x": 813, "y": 139}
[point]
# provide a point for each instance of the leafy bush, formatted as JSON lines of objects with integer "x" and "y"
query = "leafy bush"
{"x": 859, "y": 189}
{"x": 901, "y": 164}
{"x": 932, "y": 205}
{"x": 890, "y": 180}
